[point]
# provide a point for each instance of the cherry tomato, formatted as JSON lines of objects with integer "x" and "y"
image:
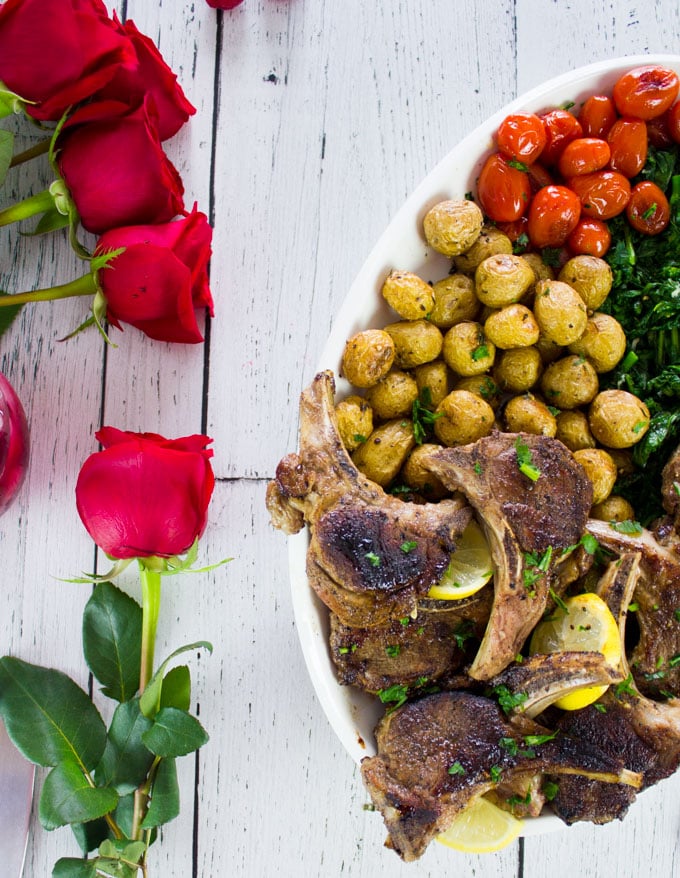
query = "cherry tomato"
{"x": 603, "y": 194}
{"x": 646, "y": 92}
{"x": 583, "y": 156}
{"x": 648, "y": 210}
{"x": 521, "y": 136}
{"x": 553, "y": 213}
{"x": 503, "y": 191}
{"x": 628, "y": 142}
{"x": 597, "y": 116}
{"x": 673, "y": 122}
{"x": 658, "y": 134}
{"x": 539, "y": 176}
{"x": 515, "y": 229}
{"x": 590, "y": 237}
{"x": 560, "y": 127}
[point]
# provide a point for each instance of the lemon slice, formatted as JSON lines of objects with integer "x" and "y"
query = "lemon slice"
{"x": 585, "y": 624}
{"x": 481, "y": 828}
{"x": 470, "y": 568}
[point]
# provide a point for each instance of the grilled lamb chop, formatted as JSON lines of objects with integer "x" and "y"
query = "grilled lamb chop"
{"x": 410, "y": 781}
{"x": 523, "y": 519}
{"x": 356, "y": 561}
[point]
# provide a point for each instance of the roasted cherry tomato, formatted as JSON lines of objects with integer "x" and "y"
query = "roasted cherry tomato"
{"x": 515, "y": 229}
{"x": 648, "y": 210}
{"x": 591, "y": 237}
{"x": 560, "y": 127}
{"x": 503, "y": 191}
{"x": 628, "y": 142}
{"x": 521, "y": 136}
{"x": 658, "y": 134}
{"x": 583, "y": 156}
{"x": 597, "y": 116}
{"x": 673, "y": 122}
{"x": 603, "y": 194}
{"x": 553, "y": 213}
{"x": 539, "y": 176}
{"x": 646, "y": 92}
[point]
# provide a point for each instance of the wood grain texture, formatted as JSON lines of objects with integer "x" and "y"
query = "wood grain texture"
{"x": 315, "y": 120}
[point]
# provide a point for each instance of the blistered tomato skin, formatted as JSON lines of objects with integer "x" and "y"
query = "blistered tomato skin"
{"x": 553, "y": 215}
{"x": 648, "y": 210}
{"x": 597, "y": 116}
{"x": 14, "y": 444}
{"x": 673, "y": 122}
{"x": 603, "y": 194}
{"x": 521, "y": 136}
{"x": 583, "y": 156}
{"x": 628, "y": 144}
{"x": 503, "y": 191}
{"x": 591, "y": 237}
{"x": 560, "y": 128}
{"x": 646, "y": 92}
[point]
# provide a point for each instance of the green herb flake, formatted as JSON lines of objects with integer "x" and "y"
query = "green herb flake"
{"x": 625, "y": 687}
{"x": 395, "y": 695}
{"x": 480, "y": 352}
{"x": 633, "y": 607}
{"x": 358, "y": 437}
{"x": 508, "y": 701}
{"x": 589, "y": 543}
{"x": 463, "y": 631}
{"x": 373, "y": 559}
{"x": 674, "y": 662}
{"x": 405, "y": 621}
{"x": 558, "y": 600}
{"x": 634, "y": 528}
{"x": 393, "y": 650}
{"x": 456, "y": 768}
{"x": 408, "y": 546}
{"x": 519, "y": 166}
{"x": 550, "y": 790}
{"x": 495, "y": 771}
{"x": 676, "y": 613}
{"x": 478, "y": 468}
{"x": 600, "y": 707}
{"x": 525, "y": 460}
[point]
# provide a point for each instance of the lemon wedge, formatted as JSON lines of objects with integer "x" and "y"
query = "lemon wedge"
{"x": 470, "y": 568}
{"x": 481, "y": 828}
{"x": 584, "y": 624}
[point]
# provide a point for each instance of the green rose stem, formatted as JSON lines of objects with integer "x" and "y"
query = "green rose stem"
{"x": 30, "y": 206}
{"x": 30, "y": 153}
{"x": 82, "y": 286}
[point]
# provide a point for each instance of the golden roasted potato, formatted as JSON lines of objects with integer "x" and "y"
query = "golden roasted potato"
{"x": 512, "y": 327}
{"x": 623, "y": 458}
{"x": 490, "y": 242}
{"x": 526, "y": 414}
{"x": 600, "y": 469}
{"x": 418, "y": 477}
{"x": 454, "y": 301}
{"x": 383, "y": 454}
{"x": 415, "y": 342}
{"x": 368, "y": 357}
{"x": 355, "y": 421}
{"x": 393, "y": 396}
{"x": 560, "y": 312}
{"x": 452, "y": 227}
{"x": 467, "y": 350}
{"x": 573, "y": 430}
{"x": 540, "y": 269}
{"x": 433, "y": 381}
{"x": 503, "y": 279}
{"x": 618, "y": 419}
{"x": 465, "y": 417}
{"x": 482, "y": 385}
{"x": 548, "y": 349}
{"x": 570, "y": 382}
{"x": 590, "y": 276}
{"x": 614, "y": 508}
{"x": 518, "y": 369}
{"x": 407, "y": 294}
{"x": 603, "y": 342}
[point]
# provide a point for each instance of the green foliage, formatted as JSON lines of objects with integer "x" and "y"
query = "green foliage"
{"x": 126, "y": 760}
{"x": 7, "y": 315}
{"x": 69, "y": 797}
{"x": 164, "y": 805}
{"x": 174, "y": 733}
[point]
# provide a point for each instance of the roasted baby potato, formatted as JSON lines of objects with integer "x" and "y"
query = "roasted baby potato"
{"x": 454, "y": 301}
{"x": 526, "y": 414}
{"x": 490, "y": 242}
{"x": 548, "y": 349}
{"x": 482, "y": 385}
{"x": 415, "y": 342}
{"x": 519, "y": 369}
{"x": 355, "y": 421}
{"x": 407, "y": 294}
{"x": 600, "y": 469}
{"x": 618, "y": 419}
{"x": 540, "y": 269}
{"x": 383, "y": 454}
{"x": 368, "y": 357}
{"x": 418, "y": 477}
{"x": 614, "y": 508}
{"x": 603, "y": 342}
{"x": 433, "y": 381}
{"x": 569, "y": 382}
{"x": 560, "y": 312}
{"x": 393, "y": 396}
{"x": 452, "y": 227}
{"x": 590, "y": 276}
{"x": 467, "y": 350}
{"x": 573, "y": 430}
{"x": 512, "y": 327}
{"x": 503, "y": 279}
{"x": 464, "y": 417}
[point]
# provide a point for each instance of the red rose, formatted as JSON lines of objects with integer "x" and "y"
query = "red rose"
{"x": 145, "y": 495}
{"x": 224, "y": 4}
{"x": 150, "y": 75}
{"x": 115, "y": 168}
{"x": 160, "y": 278}
{"x": 58, "y": 52}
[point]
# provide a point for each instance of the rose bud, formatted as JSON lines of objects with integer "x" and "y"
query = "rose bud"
{"x": 145, "y": 495}
{"x": 150, "y": 75}
{"x": 160, "y": 278}
{"x": 14, "y": 444}
{"x": 115, "y": 168}
{"x": 58, "y": 52}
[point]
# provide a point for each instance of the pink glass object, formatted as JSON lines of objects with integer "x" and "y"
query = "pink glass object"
{"x": 14, "y": 444}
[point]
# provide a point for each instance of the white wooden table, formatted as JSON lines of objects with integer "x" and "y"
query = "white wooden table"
{"x": 315, "y": 120}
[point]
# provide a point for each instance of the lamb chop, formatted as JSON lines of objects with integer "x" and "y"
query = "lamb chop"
{"x": 371, "y": 556}
{"x": 527, "y": 520}
{"x": 411, "y": 781}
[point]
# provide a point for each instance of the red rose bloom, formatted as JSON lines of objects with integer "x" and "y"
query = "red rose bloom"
{"x": 160, "y": 278}
{"x": 116, "y": 170}
{"x": 224, "y": 4}
{"x": 145, "y": 495}
{"x": 150, "y": 75}
{"x": 58, "y": 52}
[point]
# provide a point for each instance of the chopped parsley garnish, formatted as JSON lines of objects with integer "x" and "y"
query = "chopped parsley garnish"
{"x": 456, "y": 768}
{"x": 395, "y": 695}
{"x": 343, "y": 650}
{"x": 480, "y": 352}
{"x": 508, "y": 701}
{"x": 525, "y": 460}
{"x": 405, "y": 620}
{"x": 478, "y": 468}
{"x": 558, "y": 600}
{"x": 393, "y": 650}
{"x": 520, "y": 166}
{"x": 373, "y": 559}
{"x": 589, "y": 543}
{"x": 463, "y": 631}
{"x": 625, "y": 687}
{"x": 676, "y": 613}
{"x": 358, "y": 437}
{"x": 408, "y": 546}
{"x": 535, "y": 567}
{"x": 634, "y": 528}
{"x": 674, "y": 662}
{"x": 423, "y": 417}
{"x": 515, "y": 800}
{"x": 600, "y": 707}
{"x": 550, "y": 790}
{"x": 495, "y": 771}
